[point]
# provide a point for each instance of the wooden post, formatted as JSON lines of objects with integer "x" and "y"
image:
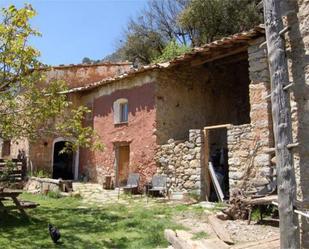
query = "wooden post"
{"x": 289, "y": 226}
{"x": 206, "y": 180}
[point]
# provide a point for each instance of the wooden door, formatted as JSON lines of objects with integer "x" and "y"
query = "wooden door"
{"x": 123, "y": 164}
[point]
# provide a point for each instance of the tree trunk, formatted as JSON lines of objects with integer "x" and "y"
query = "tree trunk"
{"x": 289, "y": 226}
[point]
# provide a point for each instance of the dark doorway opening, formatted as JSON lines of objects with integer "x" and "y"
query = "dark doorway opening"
{"x": 63, "y": 161}
{"x": 216, "y": 154}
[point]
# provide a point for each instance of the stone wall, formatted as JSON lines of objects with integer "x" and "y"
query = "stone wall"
{"x": 84, "y": 74}
{"x": 248, "y": 163}
{"x": 192, "y": 97}
{"x": 43, "y": 185}
{"x": 182, "y": 162}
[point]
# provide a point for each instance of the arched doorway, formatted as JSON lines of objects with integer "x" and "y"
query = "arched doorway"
{"x": 63, "y": 160}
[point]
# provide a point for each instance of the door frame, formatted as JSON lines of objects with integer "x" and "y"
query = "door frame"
{"x": 117, "y": 145}
{"x": 75, "y": 156}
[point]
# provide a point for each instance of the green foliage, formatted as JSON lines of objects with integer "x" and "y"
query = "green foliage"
{"x": 31, "y": 107}
{"x": 82, "y": 225}
{"x": 41, "y": 174}
{"x": 185, "y": 22}
{"x": 54, "y": 194}
{"x": 87, "y": 60}
{"x": 213, "y": 19}
{"x": 6, "y": 171}
{"x": 171, "y": 51}
{"x": 194, "y": 195}
{"x": 142, "y": 45}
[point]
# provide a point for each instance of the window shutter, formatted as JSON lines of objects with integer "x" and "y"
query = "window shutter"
{"x": 126, "y": 112}
{"x": 116, "y": 108}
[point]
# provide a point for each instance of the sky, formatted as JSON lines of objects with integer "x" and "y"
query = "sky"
{"x": 74, "y": 29}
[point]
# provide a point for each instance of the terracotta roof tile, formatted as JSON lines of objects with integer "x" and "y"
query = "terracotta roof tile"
{"x": 225, "y": 42}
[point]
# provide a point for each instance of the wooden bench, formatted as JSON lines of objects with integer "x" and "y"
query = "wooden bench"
{"x": 11, "y": 195}
{"x": 28, "y": 204}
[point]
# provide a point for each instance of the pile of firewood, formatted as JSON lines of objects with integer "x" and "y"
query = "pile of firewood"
{"x": 237, "y": 208}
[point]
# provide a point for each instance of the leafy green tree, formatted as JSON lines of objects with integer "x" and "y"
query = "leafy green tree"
{"x": 29, "y": 107}
{"x": 86, "y": 60}
{"x": 188, "y": 22}
{"x": 212, "y": 19}
{"x": 171, "y": 51}
{"x": 147, "y": 35}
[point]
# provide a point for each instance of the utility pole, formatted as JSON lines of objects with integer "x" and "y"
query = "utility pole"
{"x": 281, "y": 114}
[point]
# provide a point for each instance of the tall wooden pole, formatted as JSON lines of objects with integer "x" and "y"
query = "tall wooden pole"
{"x": 289, "y": 226}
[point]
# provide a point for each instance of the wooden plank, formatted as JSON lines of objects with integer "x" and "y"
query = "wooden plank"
{"x": 217, "y": 126}
{"x": 214, "y": 244}
{"x": 215, "y": 181}
{"x": 215, "y": 55}
{"x": 272, "y": 243}
{"x": 219, "y": 229}
{"x": 19, "y": 206}
{"x": 281, "y": 116}
{"x": 176, "y": 242}
{"x": 261, "y": 201}
{"x": 302, "y": 204}
{"x": 205, "y": 173}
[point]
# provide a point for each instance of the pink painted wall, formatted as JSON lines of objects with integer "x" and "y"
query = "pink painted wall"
{"x": 138, "y": 132}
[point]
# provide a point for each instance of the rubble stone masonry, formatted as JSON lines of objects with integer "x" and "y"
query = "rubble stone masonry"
{"x": 248, "y": 163}
{"x": 182, "y": 162}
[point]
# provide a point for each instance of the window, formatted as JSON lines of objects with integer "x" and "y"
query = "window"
{"x": 124, "y": 112}
{"x": 121, "y": 111}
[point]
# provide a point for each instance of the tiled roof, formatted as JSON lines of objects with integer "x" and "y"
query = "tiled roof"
{"x": 207, "y": 51}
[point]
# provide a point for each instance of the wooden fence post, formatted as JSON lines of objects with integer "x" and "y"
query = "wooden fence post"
{"x": 289, "y": 226}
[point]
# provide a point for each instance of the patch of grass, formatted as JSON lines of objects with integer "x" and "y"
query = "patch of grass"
{"x": 54, "y": 194}
{"x": 200, "y": 235}
{"x": 194, "y": 195}
{"x": 126, "y": 226}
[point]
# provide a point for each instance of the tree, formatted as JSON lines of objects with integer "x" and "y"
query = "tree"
{"x": 187, "y": 22}
{"x": 156, "y": 26}
{"x": 29, "y": 107}
{"x": 86, "y": 60}
{"x": 209, "y": 20}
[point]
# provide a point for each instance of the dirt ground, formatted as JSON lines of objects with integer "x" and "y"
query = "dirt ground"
{"x": 239, "y": 230}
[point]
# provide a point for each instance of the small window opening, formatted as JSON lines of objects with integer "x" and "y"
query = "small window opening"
{"x": 121, "y": 111}
{"x": 124, "y": 112}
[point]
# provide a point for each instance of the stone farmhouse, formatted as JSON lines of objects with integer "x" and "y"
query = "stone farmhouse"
{"x": 172, "y": 119}
{"x": 151, "y": 120}
{"x": 211, "y": 104}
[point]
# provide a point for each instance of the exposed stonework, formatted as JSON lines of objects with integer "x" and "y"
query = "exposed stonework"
{"x": 182, "y": 162}
{"x": 195, "y": 97}
{"x": 43, "y": 185}
{"x": 247, "y": 163}
{"x": 80, "y": 75}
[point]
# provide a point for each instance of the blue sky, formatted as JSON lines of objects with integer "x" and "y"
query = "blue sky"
{"x": 74, "y": 29}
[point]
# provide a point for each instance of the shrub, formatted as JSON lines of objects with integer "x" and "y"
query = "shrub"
{"x": 171, "y": 51}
